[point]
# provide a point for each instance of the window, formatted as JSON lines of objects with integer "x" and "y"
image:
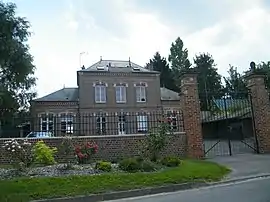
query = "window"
{"x": 172, "y": 119}
{"x": 67, "y": 121}
{"x": 101, "y": 125}
{"x": 121, "y": 125}
{"x": 140, "y": 92}
{"x": 47, "y": 122}
{"x": 142, "y": 124}
{"x": 100, "y": 93}
{"x": 120, "y": 93}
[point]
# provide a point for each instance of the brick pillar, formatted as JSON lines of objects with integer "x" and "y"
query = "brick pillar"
{"x": 190, "y": 105}
{"x": 261, "y": 109}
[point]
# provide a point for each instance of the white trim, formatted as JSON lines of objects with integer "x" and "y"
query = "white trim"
{"x": 100, "y": 83}
{"x": 120, "y": 84}
{"x": 144, "y": 84}
{"x": 142, "y": 94}
{"x": 102, "y": 92}
{"x": 122, "y": 90}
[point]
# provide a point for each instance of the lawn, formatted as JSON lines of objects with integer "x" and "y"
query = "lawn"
{"x": 25, "y": 189}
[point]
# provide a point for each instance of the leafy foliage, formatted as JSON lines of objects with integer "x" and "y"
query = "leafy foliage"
{"x": 85, "y": 151}
{"x": 67, "y": 149}
{"x": 179, "y": 59}
{"x": 160, "y": 64}
{"x": 234, "y": 83}
{"x": 136, "y": 165}
{"x": 104, "y": 166}
{"x": 16, "y": 63}
{"x": 171, "y": 161}
{"x": 20, "y": 153}
{"x": 43, "y": 154}
{"x": 157, "y": 139}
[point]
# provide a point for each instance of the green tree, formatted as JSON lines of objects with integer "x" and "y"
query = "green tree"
{"x": 160, "y": 64}
{"x": 16, "y": 68}
{"x": 209, "y": 81}
{"x": 265, "y": 66}
{"x": 178, "y": 58}
{"x": 234, "y": 83}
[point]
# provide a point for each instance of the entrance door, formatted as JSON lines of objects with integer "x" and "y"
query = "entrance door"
{"x": 121, "y": 125}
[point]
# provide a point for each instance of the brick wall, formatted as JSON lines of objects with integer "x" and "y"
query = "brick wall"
{"x": 114, "y": 147}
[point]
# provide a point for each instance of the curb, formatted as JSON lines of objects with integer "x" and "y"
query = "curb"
{"x": 149, "y": 191}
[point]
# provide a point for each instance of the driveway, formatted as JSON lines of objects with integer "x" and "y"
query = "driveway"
{"x": 245, "y": 164}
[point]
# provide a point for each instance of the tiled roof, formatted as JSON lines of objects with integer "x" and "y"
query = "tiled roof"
{"x": 167, "y": 94}
{"x": 71, "y": 94}
{"x": 117, "y": 66}
{"x": 65, "y": 94}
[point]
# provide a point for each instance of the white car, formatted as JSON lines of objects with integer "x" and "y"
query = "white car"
{"x": 40, "y": 135}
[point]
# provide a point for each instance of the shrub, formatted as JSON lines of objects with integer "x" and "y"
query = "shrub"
{"x": 129, "y": 165}
{"x": 104, "y": 166}
{"x": 171, "y": 161}
{"x": 85, "y": 151}
{"x": 67, "y": 149}
{"x": 157, "y": 140}
{"x": 43, "y": 154}
{"x": 136, "y": 164}
{"x": 20, "y": 153}
{"x": 147, "y": 166}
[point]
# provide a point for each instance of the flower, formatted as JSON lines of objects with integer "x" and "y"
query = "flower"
{"x": 13, "y": 150}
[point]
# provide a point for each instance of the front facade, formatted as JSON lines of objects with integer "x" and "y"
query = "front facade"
{"x": 112, "y": 97}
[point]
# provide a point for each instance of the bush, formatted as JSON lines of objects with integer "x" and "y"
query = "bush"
{"x": 136, "y": 164}
{"x": 67, "y": 149}
{"x": 43, "y": 154}
{"x": 104, "y": 166}
{"x": 20, "y": 153}
{"x": 147, "y": 166}
{"x": 129, "y": 165}
{"x": 85, "y": 151}
{"x": 171, "y": 161}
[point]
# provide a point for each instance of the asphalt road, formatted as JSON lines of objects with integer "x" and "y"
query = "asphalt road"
{"x": 256, "y": 190}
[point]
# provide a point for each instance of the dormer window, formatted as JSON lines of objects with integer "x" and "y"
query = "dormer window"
{"x": 100, "y": 92}
{"x": 140, "y": 92}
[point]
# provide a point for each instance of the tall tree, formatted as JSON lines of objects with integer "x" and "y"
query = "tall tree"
{"x": 178, "y": 58}
{"x": 208, "y": 79}
{"x": 160, "y": 64}
{"x": 234, "y": 83}
{"x": 16, "y": 68}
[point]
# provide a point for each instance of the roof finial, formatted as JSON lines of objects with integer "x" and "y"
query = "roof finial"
{"x": 100, "y": 58}
{"x": 129, "y": 61}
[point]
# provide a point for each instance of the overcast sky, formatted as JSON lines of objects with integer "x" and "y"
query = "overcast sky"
{"x": 233, "y": 31}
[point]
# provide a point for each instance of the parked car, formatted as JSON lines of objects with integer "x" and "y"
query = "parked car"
{"x": 40, "y": 135}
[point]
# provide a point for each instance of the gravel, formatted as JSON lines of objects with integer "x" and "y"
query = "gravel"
{"x": 57, "y": 170}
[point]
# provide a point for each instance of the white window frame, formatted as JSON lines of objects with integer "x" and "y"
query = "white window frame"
{"x": 122, "y": 96}
{"x": 142, "y": 123}
{"x": 122, "y": 124}
{"x": 68, "y": 119}
{"x": 140, "y": 92}
{"x": 101, "y": 87}
{"x": 172, "y": 115}
{"x": 101, "y": 126}
{"x": 47, "y": 118}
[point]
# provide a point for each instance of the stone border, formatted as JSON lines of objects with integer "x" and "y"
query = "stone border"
{"x": 149, "y": 191}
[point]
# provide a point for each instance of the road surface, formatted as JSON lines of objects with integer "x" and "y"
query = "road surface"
{"x": 256, "y": 190}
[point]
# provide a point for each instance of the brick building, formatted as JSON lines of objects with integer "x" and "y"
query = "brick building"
{"x": 112, "y": 97}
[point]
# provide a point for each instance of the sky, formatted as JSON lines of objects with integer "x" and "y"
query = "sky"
{"x": 234, "y": 32}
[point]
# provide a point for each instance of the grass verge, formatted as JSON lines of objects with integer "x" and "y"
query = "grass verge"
{"x": 25, "y": 189}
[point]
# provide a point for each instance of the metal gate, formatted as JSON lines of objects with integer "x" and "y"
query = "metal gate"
{"x": 227, "y": 124}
